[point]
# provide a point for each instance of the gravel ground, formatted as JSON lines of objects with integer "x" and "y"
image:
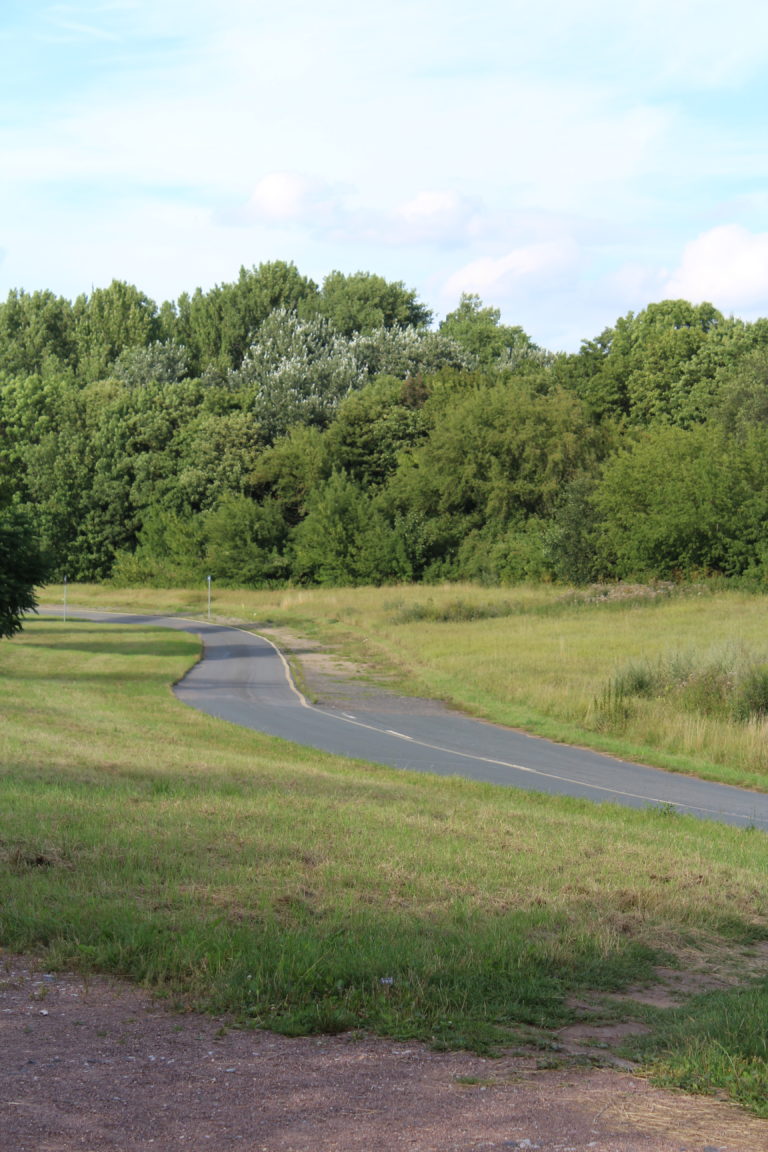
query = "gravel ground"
{"x": 98, "y": 1065}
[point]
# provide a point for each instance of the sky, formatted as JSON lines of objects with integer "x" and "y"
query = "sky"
{"x": 566, "y": 161}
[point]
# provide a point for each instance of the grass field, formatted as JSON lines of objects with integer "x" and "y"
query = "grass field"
{"x": 303, "y": 892}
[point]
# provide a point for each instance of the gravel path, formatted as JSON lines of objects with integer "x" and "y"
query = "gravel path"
{"x": 97, "y": 1065}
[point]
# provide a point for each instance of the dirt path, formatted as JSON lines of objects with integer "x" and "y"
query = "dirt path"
{"x": 93, "y": 1064}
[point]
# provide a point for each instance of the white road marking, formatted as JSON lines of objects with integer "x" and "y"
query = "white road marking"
{"x": 538, "y": 771}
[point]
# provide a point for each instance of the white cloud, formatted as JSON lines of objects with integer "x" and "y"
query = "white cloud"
{"x": 280, "y": 196}
{"x": 436, "y": 216}
{"x": 727, "y": 265}
{"x": 505, "y": 276}
{"x": 287, "y": 198}
{"x": 292, "y": 200}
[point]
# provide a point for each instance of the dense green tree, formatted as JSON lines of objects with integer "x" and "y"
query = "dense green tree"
{"x": 51, "y": 455}
{"x": 596, "y": 378}
{"x": 171, "y": 551}
{"x": 496, "y": 457}
{"x": 372, "y": 427}
{"x": 291, "y": 470}
{"x": 345, "y": 539}
{"x": 503, "y": 452}
{"x": 36, "y": 329}
{"x": 741, "y": 400}
{"x": 213, "y": 456}
{"x": 684, "y": 501}
{"x": 502, "y": 555}
{"x": 664, "y": 339}
{"x": 570, "y": 535}
{"x": 703, "y": 380}
{"x": 634, "y": 370}
{"x": 218, "y": 327}
{"x": 22, "y": 569}
{"x": 362, "y": 302}
{"x": 90, "y": 462}
{"x": 268, "y": 430}
{"x": 108, "y": 322}
{"x": 246, "y": 542}
{"x": 327, "y": 541}
{"x": 480, "y": 331}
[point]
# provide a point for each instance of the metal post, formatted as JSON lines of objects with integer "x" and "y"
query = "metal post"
{"x": 209, "y": 597}
{"x": 65, "y": 599}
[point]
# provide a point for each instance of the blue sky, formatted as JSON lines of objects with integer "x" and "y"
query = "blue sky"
{"x": 568, "y": 162}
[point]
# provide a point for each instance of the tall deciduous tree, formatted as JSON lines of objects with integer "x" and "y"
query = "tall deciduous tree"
{"x": 36, "y": 330}
{"x": 109, "y": 321}
{"x": 684, "y": 501}
{"x": 218, "y": 327}
{"x": 363, "y": 301}
{"x": 297, "y": 372}
{"x": 480, "y": 331}
{"x": 639, "y": 369}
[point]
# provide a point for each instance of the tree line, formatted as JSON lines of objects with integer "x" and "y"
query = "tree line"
{"x": 273, "y": 430}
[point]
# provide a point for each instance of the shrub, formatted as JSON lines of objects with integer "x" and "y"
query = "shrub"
{"x": 732, "y": 685}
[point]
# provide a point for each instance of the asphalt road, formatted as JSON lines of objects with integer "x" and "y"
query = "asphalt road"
{"x": 243, "y": 679}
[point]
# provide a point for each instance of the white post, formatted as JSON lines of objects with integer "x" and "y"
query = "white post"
{"x": 209, "y": 597}
{"x": 65, "y": 599}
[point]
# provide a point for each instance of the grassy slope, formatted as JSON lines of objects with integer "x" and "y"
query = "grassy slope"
{"x": 307, "y": 892}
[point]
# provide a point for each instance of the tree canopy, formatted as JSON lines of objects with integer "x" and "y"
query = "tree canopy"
{"x": 271, "y": 429}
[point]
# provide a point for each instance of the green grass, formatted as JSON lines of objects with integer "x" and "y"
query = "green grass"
{"x": 243, "y": 875}
{"x": 540, "y": 658}
{"x": 717, "y": 1043}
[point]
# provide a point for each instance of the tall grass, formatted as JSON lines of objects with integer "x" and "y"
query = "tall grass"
{"x": 730, "y": 684}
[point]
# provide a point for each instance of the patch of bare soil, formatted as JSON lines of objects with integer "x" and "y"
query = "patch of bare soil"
{"x": 98, "y": 1065}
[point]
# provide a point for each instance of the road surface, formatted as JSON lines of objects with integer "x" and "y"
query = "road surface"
{"x": 243, "y": 679}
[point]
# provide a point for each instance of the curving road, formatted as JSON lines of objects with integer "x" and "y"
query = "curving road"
{"x": 243, "y": 678}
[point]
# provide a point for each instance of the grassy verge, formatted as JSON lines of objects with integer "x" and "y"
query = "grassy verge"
{"x": 557, "y": 663}
{"x": 303, "y": 892}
